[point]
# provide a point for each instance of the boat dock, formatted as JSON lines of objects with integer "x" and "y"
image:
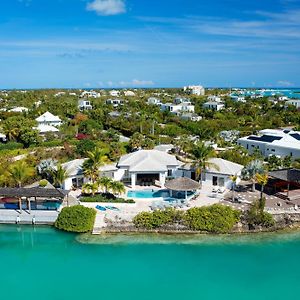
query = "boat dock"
{"x": 39, "y": 217}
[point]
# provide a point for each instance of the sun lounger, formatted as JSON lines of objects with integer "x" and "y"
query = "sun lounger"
{"x": 101, "y": 208}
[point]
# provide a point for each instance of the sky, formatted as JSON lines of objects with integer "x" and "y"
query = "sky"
{"x": 149, "y": 43}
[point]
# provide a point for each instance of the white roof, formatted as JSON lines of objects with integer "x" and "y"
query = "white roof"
{"x": 48, "y": 117}
{"x": 225, "y": 167}
{"x": 42, "y": 128}
{"x": 19, "y": 109}
{"x": 164, "y": 147}
{"x": 148, "y": 161}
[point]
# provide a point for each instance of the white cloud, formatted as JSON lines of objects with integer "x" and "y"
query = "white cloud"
{"x": 285, "y": 83}
{"x": 107, "y": 7}
{"x": 136, "y": 82}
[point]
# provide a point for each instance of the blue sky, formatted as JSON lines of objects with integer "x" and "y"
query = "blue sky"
{"x": 149, "y": 43}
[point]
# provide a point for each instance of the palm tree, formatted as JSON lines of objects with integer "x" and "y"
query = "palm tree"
{"x": 200, "y": 155}
{"x": 262, "y": 180}
{"x": 59, "y": 175}
{"x": 90, "y": 188}
{"x": 117, "y": 187}
{"x": 20, "y": 172}
{"x": 106, "y": 183}
{"x": 91, "y": 166}
{"x": 234, "y": 180}
{"x": 251, "y": 170}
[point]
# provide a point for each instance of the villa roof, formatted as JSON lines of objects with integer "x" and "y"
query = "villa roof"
{"x": 225, "y": 167}
{"x": 290, "y": 175}
{"x": 33, "y": 192}
{"x": 182, "y": 184}
{"x": 48, "y": 117}
{"x": 148, "y": 161}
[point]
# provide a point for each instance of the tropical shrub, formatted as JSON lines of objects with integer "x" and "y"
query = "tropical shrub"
{"x": 105, "y": 198}
{"x": 76, "y": 219}
{"x": 43, "y": 183}
{"x": 216, "y": 218}
{"x": 11, "y": 146}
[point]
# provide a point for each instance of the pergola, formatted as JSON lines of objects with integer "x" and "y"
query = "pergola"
{"x": 183, "y": 184}
{"x": 290, "y": 176}
{"x": 38, "y": 194}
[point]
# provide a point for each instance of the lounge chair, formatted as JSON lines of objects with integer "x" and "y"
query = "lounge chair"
{"x": 101, "y": 208}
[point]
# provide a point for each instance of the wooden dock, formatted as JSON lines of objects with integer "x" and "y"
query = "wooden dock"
{"x": 39, "y": 217}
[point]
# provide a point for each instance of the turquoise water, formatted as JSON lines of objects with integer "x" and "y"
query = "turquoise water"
{"x": 44, "y": 264}
{"x": 149, "y": 194}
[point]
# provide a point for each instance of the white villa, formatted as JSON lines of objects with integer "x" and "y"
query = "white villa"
{"x": 49, "y": 119}
{"x": 129, "y": 94}
{"x": 19, "y": 109}
{"x": 213, "y": 98}
{"x": 237, "y": 98}
{"x": 273, "y": 142}
{"x": 294, "y": 102}
{"x": 195, "y": 90}
{"x": 178, "y": 108}
{"x": 84, "y": 105}
{"x": 115, "y": 102}
{"x": 90, "y": 94}
{"x": 190, "y": 117}
{"x": 114, "y": 93}
{"x": 154, "y": 101}
{"x": 214, "y": 105}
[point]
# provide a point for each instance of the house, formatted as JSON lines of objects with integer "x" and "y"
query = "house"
{"x": 179, "y": 100}
{"x": 273, "y": 142}
{"x": 220, "y": 173}
{"x": 154, "y": 101}
{"x": 214, "y": 105}
{"x": 190, "y": 117}
{"x": 197, "y": 90}
{"x": 294, "y": 102}
{"x": 19, "y": 109}
{"x": 129, "y": 94}
{"x": 237, "y": 98}
{"x": 75, "y": 177}
{"x": 48, "y": 119}
{"x": 90, "y": 94}
{"x": 59, "y": 94}
{"x": 84, "y": 105}
{"x": 213, "y": 98}
{"x": 114, "y": 93}
{"x": 178, "y": 108}
{"x": 115, "y": 102}
{"x": 44, "y": 128}
{"x": 146, "y": 167}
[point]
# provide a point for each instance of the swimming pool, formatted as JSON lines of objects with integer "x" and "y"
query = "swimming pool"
{"x": 150, "y": 194}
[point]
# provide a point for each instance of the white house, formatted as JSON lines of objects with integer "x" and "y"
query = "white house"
{"x": 129, "y": 93}
{"x": 190, "y": 117}
{"x": 213, "y": 98}
{"x": 178, "y": 108}
{"x": 114, "y": 93}
{"x": 115, "y": 102}
{"x": 236, "y": 98}
{"x": 48, "y": 119}
{"x": 273, "y": 142}
{"x": 19, "y": 109}
{"x": 44, "y": 128}
{"x": 90, "y": 94}
{"x": 154, "y": 101}
{"x": 84, "y": 105}
{"x": 294, "y": 102}
{"x": 145, "y": 167}
{"x": 195, "y": 90}
{"x": 214, "y": 105}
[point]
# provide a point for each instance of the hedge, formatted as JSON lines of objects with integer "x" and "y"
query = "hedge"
{"x": 103, "y": 199}
{"x": 76, "y": 219}
{"x": 11, "y": 146}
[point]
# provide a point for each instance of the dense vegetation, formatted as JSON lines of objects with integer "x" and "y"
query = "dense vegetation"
{"x": 76, "y": 219}
{"x": 104, "y": 198}
{"x": 214, "y": 219}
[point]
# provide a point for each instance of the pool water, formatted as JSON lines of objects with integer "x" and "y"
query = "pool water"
{"x": 149, "y": 194}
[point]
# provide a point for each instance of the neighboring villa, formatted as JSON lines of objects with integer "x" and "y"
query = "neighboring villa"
{"x": 49, "y": 119}
{"x": 273, "y": 142}
{"x": 213, "y": 105}
{"x": 84, "y": 105}
{"x": 19, "y": 109}
{"x": 114, "y": 93}
{"x": 90, "y": 94}
{"x": 154, "y": 101}
{"x": 190, "y": 117}
{"x": 115, "y": 102}
{"x": 237, "y": 98}
{"x": 294, "y": 102}
{"x": 213, "y": 98}
{"x": 180, "y": 105}
{"x": 197, "y": 90}
{"x": 129, "y": 94}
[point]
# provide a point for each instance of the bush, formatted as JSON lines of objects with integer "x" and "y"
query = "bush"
{"x": 43, "y": 183}
{"x": 76, "y": 219}
{"x": 257, "y": 216}
{"x": 216, "y": 218}
{"x": 84, "y": 146}
{"x": 52, "y": 144}
{"x": 105, "y": 198}
{"x": 158, "y": 218}
{"x": 11, "y": 146}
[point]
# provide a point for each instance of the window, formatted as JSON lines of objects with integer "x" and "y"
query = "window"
{"x": 170, "y": 173}
{"x": 215, "y": 180}
{"x": 221, "y": 181}
{"x": 126, "y": 174}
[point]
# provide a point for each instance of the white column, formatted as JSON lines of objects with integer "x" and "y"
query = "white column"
{"x": 162, "y": 179}
{"x": 133, "y": 180}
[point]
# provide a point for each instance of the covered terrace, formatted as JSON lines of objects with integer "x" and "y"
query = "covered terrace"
{"x": 182, "y": 184}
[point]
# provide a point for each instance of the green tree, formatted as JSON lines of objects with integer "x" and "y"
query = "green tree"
{"x": 59, "y": 175}
{"x": 20, "y": 171}
{"x": 251, "y": 170}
